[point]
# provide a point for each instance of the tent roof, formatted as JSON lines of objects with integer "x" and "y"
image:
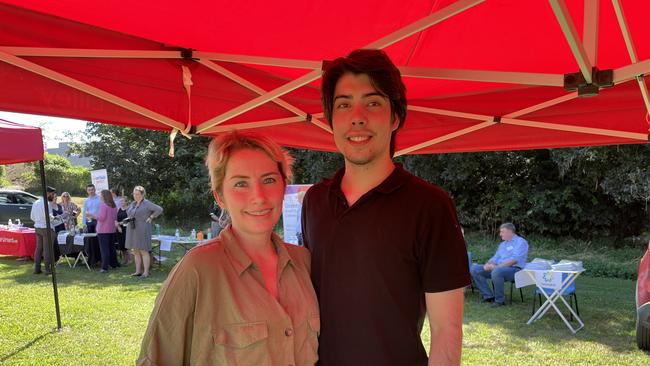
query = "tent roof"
{"x": 481, "y": 75}
{"x": 20, "y": 143}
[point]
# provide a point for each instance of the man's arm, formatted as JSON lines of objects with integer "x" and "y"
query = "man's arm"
{"x": 445, "y": 311}
{"x": 35, "y": 207}
{"x": 508, "y": 263}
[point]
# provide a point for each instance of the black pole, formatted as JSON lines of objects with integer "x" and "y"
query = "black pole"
{"x": 50, "y": 244}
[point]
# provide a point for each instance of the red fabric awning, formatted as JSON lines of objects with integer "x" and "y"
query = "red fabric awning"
{"x": 481, "y": 75}
{"x": 19, "y": 143}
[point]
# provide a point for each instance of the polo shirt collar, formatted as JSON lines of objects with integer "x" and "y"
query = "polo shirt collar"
{"x": 396, "y": 179}
{"x": 242, "y": 262}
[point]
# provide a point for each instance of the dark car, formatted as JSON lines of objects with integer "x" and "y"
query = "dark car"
{"x": 643, "y": 302}
{"x": 16, "y": 205}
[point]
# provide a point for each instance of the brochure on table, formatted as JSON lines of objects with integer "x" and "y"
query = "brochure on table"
{"x": 546, "y": 272}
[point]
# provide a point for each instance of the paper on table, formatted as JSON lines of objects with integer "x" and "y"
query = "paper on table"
{"x": 61, "y": 237}
{"x": 546, "y": 279}
{"x": 567, "y": 265}
{"x": 166, "y": 244}
{"x": 78, "y": 240}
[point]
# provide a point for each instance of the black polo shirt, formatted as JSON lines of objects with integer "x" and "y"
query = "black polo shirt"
{"x": 373, "y": 262}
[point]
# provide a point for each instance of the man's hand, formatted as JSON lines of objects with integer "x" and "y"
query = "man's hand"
{"x": 488, "y": 267}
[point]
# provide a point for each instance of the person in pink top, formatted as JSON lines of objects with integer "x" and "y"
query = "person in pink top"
{"x": 106, "y": 227}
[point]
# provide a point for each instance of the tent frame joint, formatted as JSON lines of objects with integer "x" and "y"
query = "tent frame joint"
{"x": 188, "y": 54}
{"x": 601, "y": 79}
{"x": 496, "y": 119}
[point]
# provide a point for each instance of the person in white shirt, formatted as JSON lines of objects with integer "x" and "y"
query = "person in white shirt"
{"x": 42, "y": 249}
{"x": 91, "y": 206}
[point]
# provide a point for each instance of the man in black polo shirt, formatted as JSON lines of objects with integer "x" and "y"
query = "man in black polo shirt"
{"x": 386, "y": 246}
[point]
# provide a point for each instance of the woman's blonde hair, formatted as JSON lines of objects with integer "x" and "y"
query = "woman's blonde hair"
{"x": 141, "y": 190}
{"x": 223, "y": 146}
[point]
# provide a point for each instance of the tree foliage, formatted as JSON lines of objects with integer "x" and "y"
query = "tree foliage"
{"x": 4, "y": 181}
{"x": 59, "y": 173}
{"x": 583, "y": 192}
{"x": 140, "y": 157}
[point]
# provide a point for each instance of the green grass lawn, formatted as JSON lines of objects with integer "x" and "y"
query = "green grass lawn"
{"x": 104, "y": 317}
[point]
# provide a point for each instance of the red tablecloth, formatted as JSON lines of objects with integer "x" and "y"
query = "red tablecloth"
{"x": 18, "y": 243}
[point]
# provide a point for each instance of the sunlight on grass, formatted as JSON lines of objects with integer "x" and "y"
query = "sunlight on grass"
{"x": 104, "y": 317}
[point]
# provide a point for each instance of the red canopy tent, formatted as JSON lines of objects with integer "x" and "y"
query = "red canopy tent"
{"x": 20, "y": 143}
{"x": 23, "y": 144}
{"x": 481, "y": 75}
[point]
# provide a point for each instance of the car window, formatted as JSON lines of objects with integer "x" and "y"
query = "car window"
{"x": 24, "y": 199}
{"x": 4, "y": 198}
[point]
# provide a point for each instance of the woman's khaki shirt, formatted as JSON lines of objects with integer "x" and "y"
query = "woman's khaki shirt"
{"x": 214, "y": 309}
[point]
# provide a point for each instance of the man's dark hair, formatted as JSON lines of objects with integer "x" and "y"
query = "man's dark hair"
{"x": 90, "y": 186}
{"x": 384, "y": 76}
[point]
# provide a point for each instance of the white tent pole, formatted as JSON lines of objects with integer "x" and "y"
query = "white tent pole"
{"x": 445, "y": 112}
{"x": 249, "y": 85}
{"x": 571, "y": 35}
{"x": 523, "y": 78}
{"x": 386, "y": 41}
{"x": 630, "y": 72}
{"x": 277, "y": 92}
{"x": 543, "y": 105}
{"x": 258, "y": 124}
{"x": 260, "y": 60}
{"x": 446, "y": 137}
{"x": 577, "y": 129}
{"x": 408, "y": 71}
{"x": 88, "y": 89}
{"x": 88, "y": 53}
{"x": 622, "y": 22}
{"x": 590, "y": 29}
{"x": 424, "y": 23}
{"x": 620, "y": 15}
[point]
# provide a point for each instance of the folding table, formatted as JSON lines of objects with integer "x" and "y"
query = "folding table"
{"x": 166, "y": 241}
{"x": 545, "y": 279}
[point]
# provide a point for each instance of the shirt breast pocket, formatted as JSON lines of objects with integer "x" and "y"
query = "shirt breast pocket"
{"x": 242, "y": 344}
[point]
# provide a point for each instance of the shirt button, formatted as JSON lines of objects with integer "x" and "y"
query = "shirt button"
{"x": 288, "y": 332}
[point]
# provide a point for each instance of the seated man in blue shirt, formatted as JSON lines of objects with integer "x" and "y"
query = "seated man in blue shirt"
{"x": 510, "y": 258}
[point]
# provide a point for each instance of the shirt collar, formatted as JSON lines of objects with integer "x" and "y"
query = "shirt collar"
{"x": 396, "y": 179}
{"x": 242, "y": 262}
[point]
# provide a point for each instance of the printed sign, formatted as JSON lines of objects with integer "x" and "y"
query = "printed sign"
{"x": 549, "y": 279}
{"x": 99, "y": 178}
{"x": 291, "y": 211}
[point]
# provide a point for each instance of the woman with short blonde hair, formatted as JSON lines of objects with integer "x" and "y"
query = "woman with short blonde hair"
{"x": 244, "y": 298}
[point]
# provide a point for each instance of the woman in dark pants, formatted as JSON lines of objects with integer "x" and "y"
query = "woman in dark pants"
{"x": 120, "y": 235}
{"x": 106, "y": 223}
